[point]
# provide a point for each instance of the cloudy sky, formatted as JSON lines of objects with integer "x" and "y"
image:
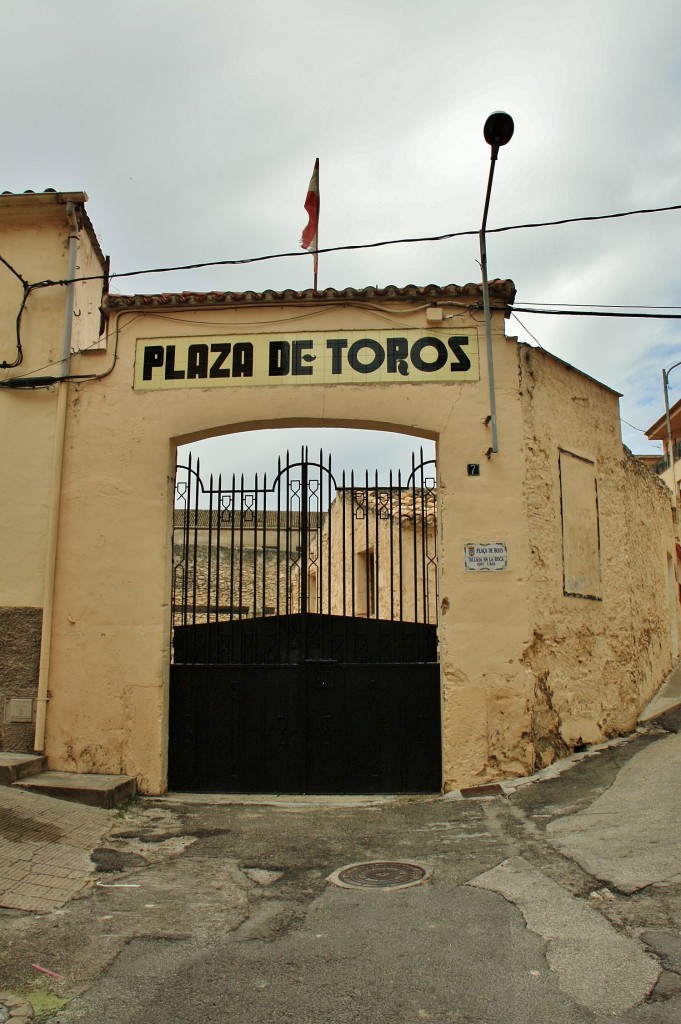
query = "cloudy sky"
{"x": 193, "y": 126}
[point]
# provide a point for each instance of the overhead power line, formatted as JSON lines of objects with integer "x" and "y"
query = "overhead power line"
{"x": 596, "y": 312}
{"x": 362, "y": 245}
{"x": 597, "y": 305}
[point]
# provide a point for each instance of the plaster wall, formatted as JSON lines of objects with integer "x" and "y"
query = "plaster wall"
{"x": 527, "y": 671}
{"x": 673, "y": 481}
{"x": 380, "y": 564}
{"x": 37, "y": 249}
{"x": 596, "y": 656}
{"x": 108, "y": 707}
{"x": 34, "y": 241}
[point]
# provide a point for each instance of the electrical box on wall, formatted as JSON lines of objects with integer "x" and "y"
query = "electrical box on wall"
{"x": 18, "y": 710}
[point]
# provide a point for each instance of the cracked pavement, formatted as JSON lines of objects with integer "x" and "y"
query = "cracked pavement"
{"x": 559, "y": 901}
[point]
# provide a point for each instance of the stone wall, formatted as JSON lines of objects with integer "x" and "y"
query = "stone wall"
{"x": 238, "y": 582}
{"x": 20, "y": 631}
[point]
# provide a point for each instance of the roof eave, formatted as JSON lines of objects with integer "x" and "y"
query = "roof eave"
{"x": 502, "y": 295}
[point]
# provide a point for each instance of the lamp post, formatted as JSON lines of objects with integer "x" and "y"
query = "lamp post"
{"x": 498, "y": 131}
{"x": 670, "y": 443}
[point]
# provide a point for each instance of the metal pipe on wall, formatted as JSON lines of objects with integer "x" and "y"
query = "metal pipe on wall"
{"x": 55, "y": 490}
{"x": 670, "y": 441}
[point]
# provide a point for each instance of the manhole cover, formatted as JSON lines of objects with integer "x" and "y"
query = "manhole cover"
{"x": 380, "y": 874}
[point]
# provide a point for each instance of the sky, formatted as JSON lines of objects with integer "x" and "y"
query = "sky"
{"x": 193, "y": 126}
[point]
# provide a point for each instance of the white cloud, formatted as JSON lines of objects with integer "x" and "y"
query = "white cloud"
{"x": 194, "y": 126}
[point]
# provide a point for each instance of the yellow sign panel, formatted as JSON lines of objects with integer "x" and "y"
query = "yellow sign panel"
{"x": 320, "y": 357}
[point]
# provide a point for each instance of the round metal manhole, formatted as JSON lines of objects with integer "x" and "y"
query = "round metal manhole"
{"x": 380, "y": 874}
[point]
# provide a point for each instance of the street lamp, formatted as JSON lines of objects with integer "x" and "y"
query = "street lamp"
{"x": 670, "y": 444}
{"x": 498, "y": 131}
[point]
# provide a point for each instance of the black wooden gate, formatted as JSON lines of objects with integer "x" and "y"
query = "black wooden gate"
{"x": 304, "y": 633}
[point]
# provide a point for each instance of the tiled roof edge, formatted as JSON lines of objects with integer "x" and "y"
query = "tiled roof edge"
{"x": 51, "y": 197}
{"x": 502, "y": 294}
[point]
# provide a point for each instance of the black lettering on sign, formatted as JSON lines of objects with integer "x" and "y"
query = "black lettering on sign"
{"x": 359, "y": 365}
{"x": 280, "y": 358}
{"x": 298, "y": 358}
{"x": 223, "y": 348}
{"x": 429, "y": 366}
{"x": 153, "y": 356}
{"x": 197, "y": 362}
{"x": 242, "y": 360}
{"x": 462, "y": 363}
{"x": 171, "y": 372}
{"x": 337, "y": 345}
{"x": 398, "y": 350}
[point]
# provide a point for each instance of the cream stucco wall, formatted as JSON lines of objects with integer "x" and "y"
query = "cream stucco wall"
{"x": 596, "y": 661}
{"x": 34, "y": 235}
{"x": 672, "y": 478}
{"x": 34, "y": 240}
{"x": 108, "y": 708}
{"x": 526, "y": 672}
{"x": 383, "y": 565}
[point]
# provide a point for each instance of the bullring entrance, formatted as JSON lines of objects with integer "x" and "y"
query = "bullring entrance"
{"x": 304, "y": 619}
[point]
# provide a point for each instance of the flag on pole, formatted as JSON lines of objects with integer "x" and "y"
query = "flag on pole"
{"x": 310, "y": 237}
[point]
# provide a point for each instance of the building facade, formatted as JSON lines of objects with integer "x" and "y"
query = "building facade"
{"x": 555, "y": 618}
{"x": 45, "y": 239}
{"x": 669, "y": 466}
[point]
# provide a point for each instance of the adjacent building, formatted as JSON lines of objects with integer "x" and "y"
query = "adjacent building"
{"x": 668, "y": 467}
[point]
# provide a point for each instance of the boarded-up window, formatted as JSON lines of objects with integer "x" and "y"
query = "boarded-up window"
{"x": 581, "y": 536}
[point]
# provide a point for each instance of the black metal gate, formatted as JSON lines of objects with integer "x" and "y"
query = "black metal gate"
{"x": 304, "y": 632}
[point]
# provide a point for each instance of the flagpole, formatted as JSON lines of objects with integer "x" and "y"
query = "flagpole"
{"x": 310, "y": 236}
{"x": 316, "y": 252}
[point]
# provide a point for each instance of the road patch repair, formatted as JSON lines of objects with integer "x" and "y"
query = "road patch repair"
{"x": 596, "y": 966}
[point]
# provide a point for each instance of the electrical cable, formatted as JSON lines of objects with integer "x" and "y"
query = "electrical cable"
{"x": 363, "y": 245}
{"x": 579, "y": 311}
{"x": 19, "y": 358}
{"x": 528, "y": 331}
{"x": 14, "y": 271}
{"x": 4, "y": 365}
{"x": 85, "y": 376}
{"x": 25, "y": 383}
{"x": 631, "y": 425}
{"x": 595, "y": 305}
{"x": 592, "y": 312}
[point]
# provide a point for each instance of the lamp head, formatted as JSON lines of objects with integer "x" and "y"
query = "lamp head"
{"x": 498, "y": 129}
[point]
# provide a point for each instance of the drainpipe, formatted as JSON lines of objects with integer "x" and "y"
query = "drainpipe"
{"x": 55, "y": 490}
{"x": 670, "y": 440}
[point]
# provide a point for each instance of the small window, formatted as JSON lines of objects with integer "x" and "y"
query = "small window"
{"x": 365, "y": 583}
{"x": 581, "y": 528}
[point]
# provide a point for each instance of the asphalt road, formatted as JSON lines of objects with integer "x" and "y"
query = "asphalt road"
{"x": 559, "y": 903}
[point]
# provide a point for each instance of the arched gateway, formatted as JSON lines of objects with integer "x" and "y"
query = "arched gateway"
{"x": 553, "y": 617}
{"x": 304, "y": 631}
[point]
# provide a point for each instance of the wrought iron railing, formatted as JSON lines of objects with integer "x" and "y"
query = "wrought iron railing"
{"x": 304, "y": 542}
{"x": 663, "y": 465}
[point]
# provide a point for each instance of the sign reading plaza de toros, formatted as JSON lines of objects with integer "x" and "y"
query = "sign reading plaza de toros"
{"x": 328, "y": 357}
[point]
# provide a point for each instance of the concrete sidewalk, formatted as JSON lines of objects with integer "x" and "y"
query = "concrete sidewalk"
{"x": 45, "y": 847}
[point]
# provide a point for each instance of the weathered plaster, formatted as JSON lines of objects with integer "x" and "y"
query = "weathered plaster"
{"x": 595, "y": 662}
{"x": 20, "y": 632}
{"x": 527, "y": 672}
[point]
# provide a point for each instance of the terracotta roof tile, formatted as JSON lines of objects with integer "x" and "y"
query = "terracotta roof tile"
{"x": 502, "y": 293}
{"x": 51, "y": 197}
